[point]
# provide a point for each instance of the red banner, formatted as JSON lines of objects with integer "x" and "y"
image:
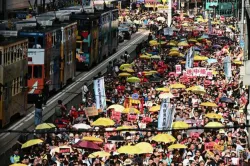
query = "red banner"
{"x": 209, "y": 146}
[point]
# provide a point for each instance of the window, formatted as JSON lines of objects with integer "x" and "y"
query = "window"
{"x": 1, "y": 57}
{"x": 40, "y": 41}
{"x": 32, "y": 42}
{"x": 29, "y": 71}
{"x": 37, "y": 71}
{"x": 11, "y": 56}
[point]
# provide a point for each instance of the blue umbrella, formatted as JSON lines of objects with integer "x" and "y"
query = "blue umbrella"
{"x": 216, "y": 46}
{"x": 205, "y": 36}
{"x": 197, "y": 49}
{"x": 226, "y": 100}
{"x": 212, "y": 61}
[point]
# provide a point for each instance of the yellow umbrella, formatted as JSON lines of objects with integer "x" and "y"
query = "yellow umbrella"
{"x": 208, "y": 104}
{"x": 133, "y": 79}
{"x": 200, "y": 58}
{"x": 116, "y": 107}
{"x": 123, "y": 66}
{"x": 174, "y": 53}
{"x": 155, "y": 57}
{"x": 124, "y": 127}
{"x": 180, "y": 125}
{"x": 152, "y": 71}
{"x": 131, "y": 111}
{"x": 103, "y": 122}
{"x": 177, "y": 146}
{"x": 177, "y": 86}
{"x": 166, "y": 138}
{"x": 192, "y": 40}
{"x": 144, "y": 57}
{"x": 164, "y": 89}
{"x": 147, "y": 73}
{"x": 152, "y": 41}
{"x": 128, "y": 149}
{"x": 18, "y": 164}
{"x": 45, "y": 126}
{"x": 166, "y": 95}
{"x": 128, "y": 70}
{"x": 183, "y": 44}
{"x": 155, "y": 108}
{"x": 145, "y": 147}
{"x": 174, "y": 49}
{"x": 214, "y": 72}
{"x": 92, "y": 139}
{"x": 162, "y": 42}
{"x": 237, "y": 62}
{"x": 171, "y": 44}
{"x": 185, "y": 24}
{"x": 213, "y": 116}
{"x": 154, "y": 44}
{"x": 213, "y": 125}
{"x": 198, "y": 89}
{"x": 31, "y": 143}
{"x": 124, "y": 75}
{"x": 99, "y": 154}
{"x": 148, "y": 54}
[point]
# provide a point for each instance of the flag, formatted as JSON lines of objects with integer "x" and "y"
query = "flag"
{"x": 100, "y": 95}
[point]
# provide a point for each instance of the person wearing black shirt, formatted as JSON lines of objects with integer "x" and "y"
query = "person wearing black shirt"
{"x": 38, "y": 110}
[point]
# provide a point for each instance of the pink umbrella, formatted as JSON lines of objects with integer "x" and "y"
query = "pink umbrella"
{"x": 87, "y": 145}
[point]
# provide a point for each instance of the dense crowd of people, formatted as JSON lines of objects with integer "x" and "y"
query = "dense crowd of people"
{"x": 138, "y": 86}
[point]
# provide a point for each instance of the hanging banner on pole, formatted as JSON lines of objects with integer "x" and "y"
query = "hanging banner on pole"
{"x": 100, "y": 96}
{"x": 165, "y": 116}
{"x": 189, "y": 58}
{"x": 227, "y": 67}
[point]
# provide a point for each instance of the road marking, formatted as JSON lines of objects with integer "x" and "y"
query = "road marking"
{"x": 78, "y": 81}
{"x": 6, "y": 134}
{"x": 16, "y": 127}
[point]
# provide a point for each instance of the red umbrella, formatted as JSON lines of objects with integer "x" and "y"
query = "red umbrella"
{"x": 87, "y": 145}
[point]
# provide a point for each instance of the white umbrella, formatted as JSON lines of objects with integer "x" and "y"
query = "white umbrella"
{"x": 161, "y": 19}
{"x": 166, "y": 95}
{"x": 81, "y": 126}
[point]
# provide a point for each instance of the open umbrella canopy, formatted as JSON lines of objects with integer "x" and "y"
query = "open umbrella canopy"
{"x": 200, "y": 58}
{"x": 210, "y": 61}
{"x": 133, "y": 79}
{"x": 129, "y": 70}
{"x": 145, "y": 147}
{"x": 144, "y": 57}
{"x": 123, "y": 66}
{"x": 198, "y": 89}
{"x": 213, "y": 125}
{"x": 226, "y": 100}
{"x": 99, "y": 154}
{"x": 92, "y": 139}
{"x": 174, "y": 49}
{"x": 31, "y": 143}
{"x": 163, "y": 89}
{"x": 174, "y": 53}
{"x": 81, "y": 126}
{"x": 166, "y": 138}
{"x": 166, "y": 95}
{"x": 180, "y": 125}
{"x": 237, "y": 62}
{"x": 155, "y": 108}
{"x": 124, "y": 74}
{"x": 45, "y": 126}
{"x": 155, "y": 57}
{"x": 208, "y": 104}
{"x": 128, "y": 149}
{"x": 124, "y": 127}
{"x": 183, "y": 44}
{"x": 131, "y": 111}
{"x": 177, "y": 86}
{"x": 116, "y": 107}
{"x": 213, "y": 116}
{"x": 177, "y": 146}
{"x": 18, "y": 164}
{"x": 103, "y": 122}
{"x": 87, "y": 145}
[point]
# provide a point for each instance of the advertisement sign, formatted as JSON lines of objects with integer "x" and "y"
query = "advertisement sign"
{"x": 100, "y": 95}
{"x": 178, "y": 69}
{"x": 91, "y": 111}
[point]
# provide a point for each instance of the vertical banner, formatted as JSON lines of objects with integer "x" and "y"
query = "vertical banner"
{"x": 189, "y": 72}
{"x": 196, "y": 72}
{"x": 210, "y": 74}
{"x": 165, "y": 118}
{"x": 178, "y": 69}
{"x": 227, "y": 67}
{"x": 189, "y": 58}
{"x": 100, "y": 95}
{"x": 203, "y": 72}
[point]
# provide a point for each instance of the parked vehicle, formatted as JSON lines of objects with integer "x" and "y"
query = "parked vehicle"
{"x": 126, "y": 32}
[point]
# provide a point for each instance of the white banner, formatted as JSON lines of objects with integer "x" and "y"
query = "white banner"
{"x": 165, "y": 116}
{"x": 178, "y": 69}
{"x": 100, "y": 96}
